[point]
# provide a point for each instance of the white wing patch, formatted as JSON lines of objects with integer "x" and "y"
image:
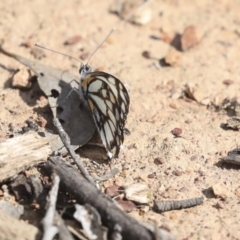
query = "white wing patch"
{"x": 94, "y": 87}
{"x": 100, "y": 103}
{"x": 111, "y": 82}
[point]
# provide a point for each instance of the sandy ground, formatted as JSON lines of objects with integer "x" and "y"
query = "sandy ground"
{"x": 189, "y": 164}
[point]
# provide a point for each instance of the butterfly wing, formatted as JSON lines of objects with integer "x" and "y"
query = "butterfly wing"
{"x": 109, "y": 101}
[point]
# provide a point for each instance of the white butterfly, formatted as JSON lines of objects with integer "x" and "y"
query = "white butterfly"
{"x": 109, "y": 101}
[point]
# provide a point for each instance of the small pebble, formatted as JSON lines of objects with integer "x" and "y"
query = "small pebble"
{"x": 188, "y": 100}
{"x": 42, "y": 102}
{"x": 145, "y": 209}
{"x": 220, "y": 205}
{"x": 35, "y": 205}
{"x": 173, "y": 105}
{"x": 176, "y": 132}
{"x": 155, "y": 37}
{"x": 111, "y": 40}
{"x": 22, "y": 79}
{"x": 31, "y": 125}
{"x": 177, "y": 173}
{"x": 183, "y": 190}
{"x": 126, "y": 205}
{"x": 237, "y": 192}
{"x": 198, "y": 181}
{"x": 228, "y": 82}
{"x": 152, "y": 175}
{"x": 220, "y": 191}
{"x": 38, "y": 53}
{"x": 173, "y": 216}
{"x": 173, "y": 57}
{"x": 165, "y": 227}
{"x": 146, "y": 54}
{"x": 47, "y": 181}
{"x": 84, "y": 56}
{"x": 28, "y": 44}
{"x": 158, "y": 160}
{"x": 166, "y": 172}
{"x": 73, "y": 40}
{"x": 112, "y": 191}
{"x": 193, "y": 158}
{"x": 166, "y": 38}
{"x": 42, "y": 122}
{"x": 188, "y": 121}
{"x": 189, "y": 38}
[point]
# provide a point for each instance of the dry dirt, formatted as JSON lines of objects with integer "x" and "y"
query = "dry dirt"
{"x": 190, "y": 163}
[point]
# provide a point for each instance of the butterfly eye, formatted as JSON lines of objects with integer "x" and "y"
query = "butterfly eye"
{"x": 84, "y": 69}
{"x": 88, "y": 68}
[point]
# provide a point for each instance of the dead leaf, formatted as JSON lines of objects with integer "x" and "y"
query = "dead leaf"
{"x": 138, "y": 192}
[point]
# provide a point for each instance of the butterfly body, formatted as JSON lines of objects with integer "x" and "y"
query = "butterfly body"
{"x": 109, "y": 101}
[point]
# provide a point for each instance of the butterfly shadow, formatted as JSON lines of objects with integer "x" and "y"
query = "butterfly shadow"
{"x": 73, "y": 112}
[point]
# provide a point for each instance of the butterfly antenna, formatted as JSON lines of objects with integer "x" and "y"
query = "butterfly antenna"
{"x": 100, "y": 45}
{"x": 57, "y": 52}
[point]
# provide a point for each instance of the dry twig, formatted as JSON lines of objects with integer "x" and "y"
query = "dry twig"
{"x": 22, "y": 152}
{"x": 66, "y": 141}
{"x": 163, "y": 206}
{"x": 85, "y": 192}
{"x": 48, "y": 221}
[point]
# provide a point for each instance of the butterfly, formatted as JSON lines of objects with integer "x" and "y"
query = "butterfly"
{"x": 108, "y": 101}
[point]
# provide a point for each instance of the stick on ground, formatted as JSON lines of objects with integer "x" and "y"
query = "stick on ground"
{"x": 163, "y": 206}
{"x": 66, "y": 141}
{"x": 22, "y": 152}
{"x": 49, "y": 230}
{"x": 85, "y": 192}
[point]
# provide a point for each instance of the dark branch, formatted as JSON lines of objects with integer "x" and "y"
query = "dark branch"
{"x": 66, "y": 141}
{"x": 84, "y": 192}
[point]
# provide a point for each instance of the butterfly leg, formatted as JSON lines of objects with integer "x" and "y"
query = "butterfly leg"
{"x": 73, "y": 81}
{"x": 73, "y": 89}
{"x": 82, "y": 99}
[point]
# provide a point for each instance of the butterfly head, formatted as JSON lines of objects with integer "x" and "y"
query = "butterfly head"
{"x": 84, "y": 70}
